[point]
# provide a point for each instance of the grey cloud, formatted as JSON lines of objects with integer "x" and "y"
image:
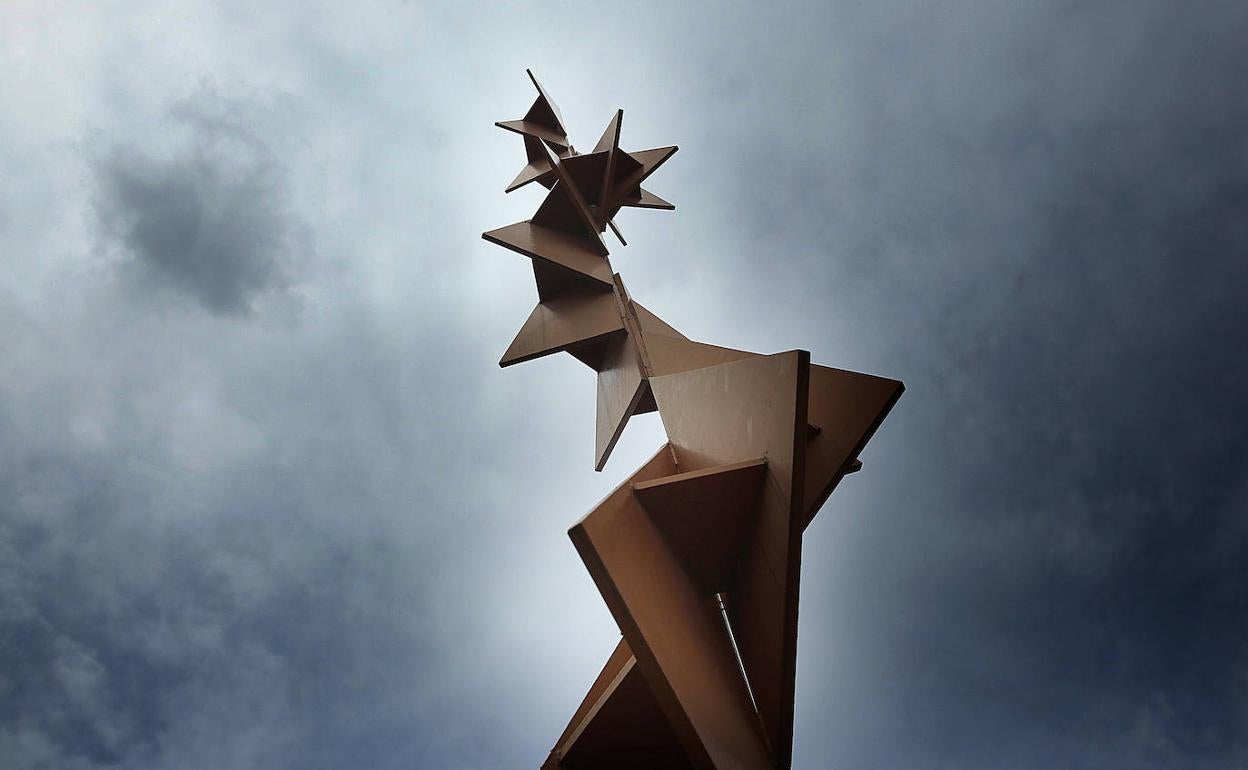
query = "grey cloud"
{"x": 211, "y": 221}
{"x": 1049, "y": 221}
{"x": 241, "y": 615}
{"x": 340, "y": 542}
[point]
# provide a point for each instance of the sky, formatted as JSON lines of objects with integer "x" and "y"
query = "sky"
{"x": 267, "y": 500}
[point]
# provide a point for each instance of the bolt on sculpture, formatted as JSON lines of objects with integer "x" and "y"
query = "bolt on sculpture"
{"x": 698, "y": 553}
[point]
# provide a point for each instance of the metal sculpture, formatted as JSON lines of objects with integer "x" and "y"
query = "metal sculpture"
{"x": 698, "y": 553}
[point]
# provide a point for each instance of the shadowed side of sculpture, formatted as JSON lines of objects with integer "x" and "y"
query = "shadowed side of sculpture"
{"x": 756, "y": 444}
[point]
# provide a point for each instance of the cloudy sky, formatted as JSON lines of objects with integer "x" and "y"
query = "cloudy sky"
{"x": 267, "y": 501}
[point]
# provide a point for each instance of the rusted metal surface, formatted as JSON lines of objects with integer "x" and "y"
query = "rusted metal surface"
{"x": 847, "y": 407}
{"x": 706, "y": 516}
{"x": 619, "y": 724}
{"x": 568, "y": 320}
{"x": 698, "y": 553}
{"x": 670, "y": 624}
{"x": 620, "y": 389}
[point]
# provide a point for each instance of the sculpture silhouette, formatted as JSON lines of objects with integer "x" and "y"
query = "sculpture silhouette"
{"x": 698, "y": 553}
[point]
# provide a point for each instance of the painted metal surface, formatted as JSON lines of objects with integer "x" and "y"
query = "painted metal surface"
{"x": 710, "y": 528}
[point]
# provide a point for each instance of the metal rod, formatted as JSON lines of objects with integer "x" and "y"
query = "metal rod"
{"x": 736, "y": 651}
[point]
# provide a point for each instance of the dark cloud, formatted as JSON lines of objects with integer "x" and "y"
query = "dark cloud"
{"x": 1049, "y": 224}
{"x": 241, "y": 613}
{"x": 210, "y": 221}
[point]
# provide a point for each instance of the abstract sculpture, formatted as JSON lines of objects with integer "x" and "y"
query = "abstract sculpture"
{"x": 698, "y": 553}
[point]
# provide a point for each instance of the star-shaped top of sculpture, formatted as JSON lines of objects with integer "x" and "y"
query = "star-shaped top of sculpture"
{"x": 582, "y": 305}
{"x": 586, "y": 190}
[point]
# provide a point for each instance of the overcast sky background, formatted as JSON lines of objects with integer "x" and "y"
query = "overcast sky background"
{"x": 267, "y": 501}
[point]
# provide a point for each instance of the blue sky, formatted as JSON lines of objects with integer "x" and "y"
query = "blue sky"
{"x": 267, "y": 501}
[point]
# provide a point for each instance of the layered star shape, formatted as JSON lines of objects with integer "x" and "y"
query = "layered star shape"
{"x": 586, "y": 190}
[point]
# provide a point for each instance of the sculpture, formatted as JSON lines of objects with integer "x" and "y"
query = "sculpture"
{"x": 698, "y": 553}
